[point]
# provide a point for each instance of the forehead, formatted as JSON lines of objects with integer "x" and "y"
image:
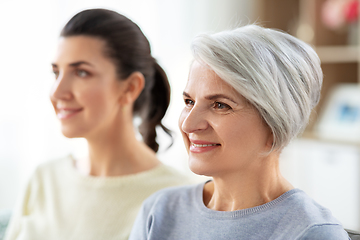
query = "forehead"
{"x": 80, "y": 48}
{"x": 203, "y": 79}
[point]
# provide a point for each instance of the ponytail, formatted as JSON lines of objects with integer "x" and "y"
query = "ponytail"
{"x": 158, "y": 99}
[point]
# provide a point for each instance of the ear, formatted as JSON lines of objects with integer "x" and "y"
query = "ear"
{"x": 134, "y": 85}
{"x": 270, "y": 140}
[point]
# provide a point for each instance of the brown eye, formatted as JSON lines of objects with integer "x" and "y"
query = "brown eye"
{"x": 189, "y": 102}
{"x": 221, "y": 106}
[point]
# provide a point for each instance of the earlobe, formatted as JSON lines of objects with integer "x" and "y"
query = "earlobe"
{"x": 134, "y": 85}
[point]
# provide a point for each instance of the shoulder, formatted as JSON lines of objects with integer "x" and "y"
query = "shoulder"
{"x": 177, "y": 192}
{"x": 166, "y": 176}
{"x": 168, "y": 197}
{"x": 325, "y": 231}
{"x": 55, "y": 164}
{"x": 49, "y": 173}
{"x": 164, "y": 206}
{"x": 35, "y": 190}
{"x": 305, "y": 218}
{"x": 311, "y": 211}
{"x": 161, "y": 208}
{"x": 53, "y": 167}
{"x": 167, "y": 171}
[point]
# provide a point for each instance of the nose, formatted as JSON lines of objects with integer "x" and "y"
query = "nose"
{"x": 193, "y": 120}
{"x": 61, "y": 89}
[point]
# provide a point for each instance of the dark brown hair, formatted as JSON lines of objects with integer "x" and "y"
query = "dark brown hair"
{"x": 130, "y": 50}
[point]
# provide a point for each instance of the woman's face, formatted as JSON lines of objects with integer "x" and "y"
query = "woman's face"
{"x": 222, "y": 133}
{"x": 86, "y": 91}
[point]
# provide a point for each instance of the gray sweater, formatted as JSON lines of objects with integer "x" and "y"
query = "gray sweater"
{"x": 180, "y": 214}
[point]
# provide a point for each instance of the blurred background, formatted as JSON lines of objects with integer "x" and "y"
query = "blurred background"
{"x": 324, "y": 161}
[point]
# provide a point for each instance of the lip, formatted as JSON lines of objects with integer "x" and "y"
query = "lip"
{"x": 198, "y": 146}
{"x": 66, "y": 113}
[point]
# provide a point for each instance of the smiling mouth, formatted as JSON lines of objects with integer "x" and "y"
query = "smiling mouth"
{"x": 202, "y": 148}
{"x": 66, "y": 113}
{"x": 203, "y": 145}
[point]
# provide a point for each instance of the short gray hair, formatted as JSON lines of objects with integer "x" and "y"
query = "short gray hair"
{"x": 277, "y": 73}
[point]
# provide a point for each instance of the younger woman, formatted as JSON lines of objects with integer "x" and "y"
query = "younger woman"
{"x": 104, "y": 76}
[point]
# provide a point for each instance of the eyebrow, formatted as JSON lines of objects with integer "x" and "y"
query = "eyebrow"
{"x": 75, "y": 64}
{"x": 186, "y": 94}
{"x": 212, "y": 97}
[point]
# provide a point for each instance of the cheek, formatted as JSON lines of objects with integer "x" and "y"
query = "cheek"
{"x": 182, "y": 118}
{"x": 246, "y": 134}
{"x": 52, "y": 92}
{"x": 53, "y": 102}
{"x": 93, "y": 99}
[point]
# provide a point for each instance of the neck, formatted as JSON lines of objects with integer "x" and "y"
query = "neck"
{"x": 252, "y": 187}
{"x": 117, "y": 152}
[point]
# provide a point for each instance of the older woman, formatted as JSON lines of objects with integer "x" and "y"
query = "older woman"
{"x": 250, "y": 92}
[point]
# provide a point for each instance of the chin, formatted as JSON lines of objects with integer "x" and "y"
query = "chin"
{"x": 199, "y": 168}
{"x": 71, "y": 133}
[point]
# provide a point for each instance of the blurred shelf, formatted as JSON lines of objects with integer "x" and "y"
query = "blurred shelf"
{"x": 338, "y": 54}
{"x": 313, "y": 136}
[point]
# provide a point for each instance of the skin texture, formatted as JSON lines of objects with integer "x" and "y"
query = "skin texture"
{"x": 245, "y": 174}
{"x": 91, "y": 102}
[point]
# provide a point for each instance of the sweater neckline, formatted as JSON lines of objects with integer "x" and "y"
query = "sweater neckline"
{"x": 237, "y": 213}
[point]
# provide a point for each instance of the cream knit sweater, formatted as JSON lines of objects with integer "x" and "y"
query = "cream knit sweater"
{"x": 59, "y": 203}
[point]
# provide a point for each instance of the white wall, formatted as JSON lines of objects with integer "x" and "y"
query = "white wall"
{"x": 329, "y": 173}
{"x": 29, "y": 131}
